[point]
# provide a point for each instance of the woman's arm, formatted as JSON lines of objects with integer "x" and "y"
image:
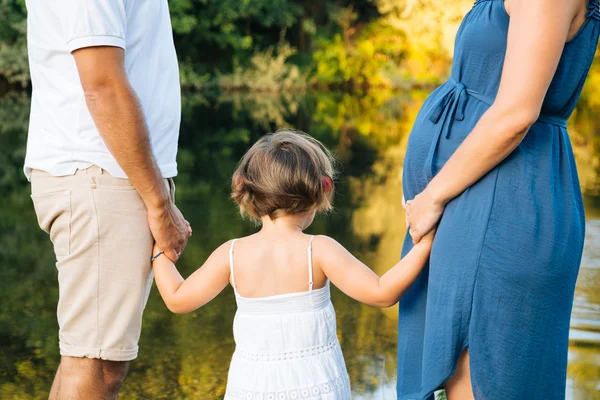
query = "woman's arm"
{"x": 183, "y": 296}
{"x": 359, "y": 282}
{"x": 537, "y": 34}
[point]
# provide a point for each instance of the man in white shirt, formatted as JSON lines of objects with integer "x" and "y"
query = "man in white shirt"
{"x": 101, "y": 151}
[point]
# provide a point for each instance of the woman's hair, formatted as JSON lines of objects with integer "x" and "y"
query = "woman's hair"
{"x": 283, "y": 173}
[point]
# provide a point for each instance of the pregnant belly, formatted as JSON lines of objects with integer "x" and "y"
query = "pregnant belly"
{"x": 433, "y": 141}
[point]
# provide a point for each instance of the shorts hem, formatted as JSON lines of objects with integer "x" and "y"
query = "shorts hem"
{"x": 98, "y": 353}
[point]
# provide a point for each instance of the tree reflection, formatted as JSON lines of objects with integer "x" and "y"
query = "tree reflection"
{"x": 187, "y": 357}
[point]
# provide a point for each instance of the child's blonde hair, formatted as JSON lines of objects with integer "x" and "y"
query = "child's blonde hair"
{"x": 283, "y": 173}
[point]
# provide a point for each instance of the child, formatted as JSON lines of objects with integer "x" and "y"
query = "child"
{"x": 285, "y": 327}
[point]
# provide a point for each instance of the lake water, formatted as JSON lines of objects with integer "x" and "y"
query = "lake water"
{"x": 186, "y": 357}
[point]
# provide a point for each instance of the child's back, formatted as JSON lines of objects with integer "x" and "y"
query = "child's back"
{"x": 285, "y": 328}
{"x": 286, "y": 344}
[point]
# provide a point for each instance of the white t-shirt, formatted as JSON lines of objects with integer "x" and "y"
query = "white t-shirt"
{"x": 62, "y": 135}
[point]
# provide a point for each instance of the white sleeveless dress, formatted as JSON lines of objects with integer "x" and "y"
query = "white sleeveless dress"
{"x": 287, "y": 347}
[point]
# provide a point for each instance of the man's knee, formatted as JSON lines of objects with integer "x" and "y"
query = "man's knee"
{"x": 103, "y": 375}
{"x": 114, "y": 373}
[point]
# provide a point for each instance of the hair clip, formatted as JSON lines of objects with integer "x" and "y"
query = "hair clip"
{"x": 327, "y": 183}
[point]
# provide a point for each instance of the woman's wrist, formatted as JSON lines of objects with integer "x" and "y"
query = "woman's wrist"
{"x": 436, "y": 193}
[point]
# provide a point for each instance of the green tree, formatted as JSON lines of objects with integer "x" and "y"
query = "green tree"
{"x": 14, "y": 68}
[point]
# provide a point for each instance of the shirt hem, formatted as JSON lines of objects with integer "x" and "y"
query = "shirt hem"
{"x": 168, "y": 170}
{"x": 95, "y": 40}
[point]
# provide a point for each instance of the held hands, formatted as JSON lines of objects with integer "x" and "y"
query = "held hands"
{"x": 428, "y": 238}
{"x": 156, "y": 250}
{"x": 169, "y": 229}
{"x": 422, "y": 215}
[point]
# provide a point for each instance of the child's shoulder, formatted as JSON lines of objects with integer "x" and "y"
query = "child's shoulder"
{"x": 326, "y": 245}
{"x": 221, "y": 253}
{"x": 226, "y": 247}
{"x": 323, "y": 240}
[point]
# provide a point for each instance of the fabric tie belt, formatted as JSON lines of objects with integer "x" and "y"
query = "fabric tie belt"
{"x": 593, "y": 10}
{"x": 452, "y": 107}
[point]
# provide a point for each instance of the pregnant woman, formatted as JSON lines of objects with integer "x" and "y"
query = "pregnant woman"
{"x": 489, "y": 158}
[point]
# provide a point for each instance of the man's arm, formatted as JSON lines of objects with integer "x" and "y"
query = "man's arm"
{"x": 118, "y": 116}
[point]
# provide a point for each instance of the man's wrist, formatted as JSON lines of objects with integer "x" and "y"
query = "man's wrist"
{"x": 157, "y": 199}
{"x": 158, "y": 204}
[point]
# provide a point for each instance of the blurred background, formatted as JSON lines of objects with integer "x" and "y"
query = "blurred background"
{"x": 351, "y": 73}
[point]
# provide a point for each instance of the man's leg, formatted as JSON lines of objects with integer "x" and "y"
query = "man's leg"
{"x": 85, "y": 378}
{"x": 98, "y": 225}
{"x": 55, "y": 385}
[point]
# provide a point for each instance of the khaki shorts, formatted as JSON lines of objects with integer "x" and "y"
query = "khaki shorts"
{"x": 99, "y": 228}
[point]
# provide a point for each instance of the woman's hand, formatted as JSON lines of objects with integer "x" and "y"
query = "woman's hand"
{"x": 428, "y": 238}
{"x": 423, "y": 214}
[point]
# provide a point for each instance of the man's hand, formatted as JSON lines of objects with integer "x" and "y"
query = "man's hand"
{"x": 170, "y": 230}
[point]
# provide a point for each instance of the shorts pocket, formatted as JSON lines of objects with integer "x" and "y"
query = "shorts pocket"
{"x": 53, "y": 212}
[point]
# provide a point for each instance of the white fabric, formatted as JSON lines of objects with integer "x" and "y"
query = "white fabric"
{"x": 286, "y": 348}
{"x": 62, "y": 135}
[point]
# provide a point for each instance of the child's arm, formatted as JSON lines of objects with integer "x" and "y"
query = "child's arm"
{"x": 183, "y": 296}
{"x": 359, "y": 282}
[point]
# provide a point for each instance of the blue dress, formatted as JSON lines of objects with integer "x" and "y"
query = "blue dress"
{"x": 502, "y": 271}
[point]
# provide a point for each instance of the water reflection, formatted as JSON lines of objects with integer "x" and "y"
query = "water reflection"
{"x": 187, "y": 356}
{"x": 584, "y": 354}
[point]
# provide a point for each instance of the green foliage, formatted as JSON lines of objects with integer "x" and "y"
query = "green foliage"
{"x": 358, "y": 58}
{"x": 430, "y": 28}
{"x": 274, "y": 44}
{"x": 254, "y": 44}
{"x": 26, "y": 268}
{"x": 219, "y": 36}
{"x": 268, "y": 71}
{"x": 228, "y": 23}
{"x": 14, "y": 66}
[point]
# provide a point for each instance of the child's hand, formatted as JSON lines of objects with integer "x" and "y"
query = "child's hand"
{"x": 156, "y": 250}
{"x": 405, "y": 213}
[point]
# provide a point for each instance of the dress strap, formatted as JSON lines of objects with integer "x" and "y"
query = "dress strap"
{"x": 231, "y": 265}
{"x": 310, "y": 265}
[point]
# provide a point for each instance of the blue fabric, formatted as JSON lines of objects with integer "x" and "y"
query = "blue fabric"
{"x": 505, "y": 259}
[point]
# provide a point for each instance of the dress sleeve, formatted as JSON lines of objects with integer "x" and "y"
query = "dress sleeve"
{"x": 89, "y": 23}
